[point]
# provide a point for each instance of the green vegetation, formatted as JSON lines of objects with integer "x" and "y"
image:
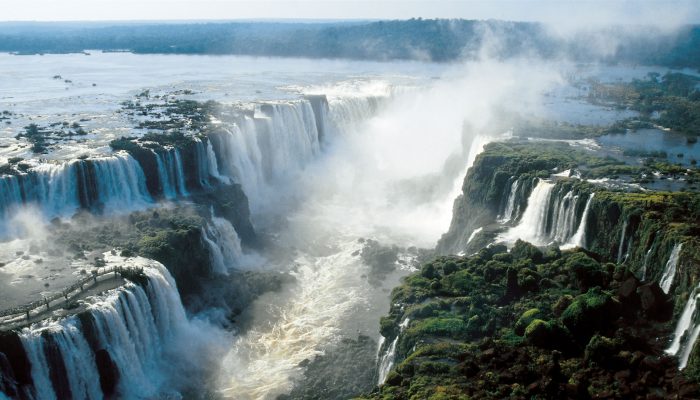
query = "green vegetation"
{"x": 542, "y": 323}
{"x": 671, "y": 100}
{"x": 477, "y": 330}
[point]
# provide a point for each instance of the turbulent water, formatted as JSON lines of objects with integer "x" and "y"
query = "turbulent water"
{"x": 669, "y": 273}
{"x": 133, "y": 327}
{"x": 552, "y": 215}
{"x": 328, "y": 154}
{"x": 687, "y": 331}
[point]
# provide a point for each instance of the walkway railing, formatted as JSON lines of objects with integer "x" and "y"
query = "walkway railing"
{"x": 66, "y": 293}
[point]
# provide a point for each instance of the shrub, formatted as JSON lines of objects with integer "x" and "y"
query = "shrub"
{"x": 526, "y": 251}
{"x": 525, "y": 319}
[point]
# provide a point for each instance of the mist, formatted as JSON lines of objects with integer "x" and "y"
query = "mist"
{"x": 341, "y": 209}
{"x": 393, "y": 179}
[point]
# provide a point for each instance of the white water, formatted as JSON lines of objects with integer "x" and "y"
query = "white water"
{"x": 370, "y": 181}
{"x": 277, "y": 142}
{"x": 214, "y": 165}
{"x": 136, "y": 325}
{"x": 645, "y": 264}
{"x": 687, "y": 330}
{"x": 510, "y": 203}
{"x": 376, "y": 181}
{"x": 579, "y": 238}
{"x": 541, "y": 226}
{"x": 56, "y": 189}
{"x": 223, "y": 243}
{"x": 532, "y": 226}
{"x": 564, "y": 216}
{"x": 474, "y": 233}
{"x": 670, "y": 269}
{"x": 620, "y": 249}
{"x": 121, "y": 183}
{"x": 386, "y": 363}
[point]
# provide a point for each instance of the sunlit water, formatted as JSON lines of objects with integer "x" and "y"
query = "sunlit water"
{"x": 391, "y": 177}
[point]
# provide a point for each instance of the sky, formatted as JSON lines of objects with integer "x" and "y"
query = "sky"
{"x": 553, "y": 11}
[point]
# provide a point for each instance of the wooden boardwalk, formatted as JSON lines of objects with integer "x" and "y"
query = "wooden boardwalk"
{"x": 11, "y": 315}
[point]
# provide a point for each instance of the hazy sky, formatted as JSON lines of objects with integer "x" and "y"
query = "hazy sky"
{"x": 561, "y": 11}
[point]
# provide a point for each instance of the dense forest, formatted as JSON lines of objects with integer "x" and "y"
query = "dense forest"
{"x": 415, "y": 39}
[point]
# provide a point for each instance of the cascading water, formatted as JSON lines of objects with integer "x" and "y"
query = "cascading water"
{"x": 579, "y": 238}
{"x": 564, "y": 217}
{"x": 214, "y": 165}
{"x": 621, "y": 247}
{"x": 551, "y": 216}
{"x": 687, "y": 330}
{"x": 670, "y": 270}
{"x": 473, "y": 234}
{"x": 121, "y": 183}
{"x": 59, "y": 190}
{"x": 133, "y": 324}
{"x": 223, "y": 243}
{"x": 510, "y": 211}
{"x": 171, "y": 173}
{"x": 276, "y": 141}
{"x": 331, "y": 298}
{"x": 387, "y": 360}
{"x": 533, "y": 221}
{"x": 645, "y": 264}
{"x": 202, "y": 162}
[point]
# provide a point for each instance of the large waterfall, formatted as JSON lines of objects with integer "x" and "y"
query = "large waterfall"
{"x": 223, "y": 243}
{"x": 687, "y": 330}
{"x": 553, "y": 214}
{"x": 116, "y": 182}
{"x": 277, "y": 140}
{"x": 254, "y": 149}
{"x": 510, "y": 211}
{"x": 113, "y": 348}
{"x": 170, "y": 173}
{"x": 122, "y": 337}
{"x": 670, "y": 269}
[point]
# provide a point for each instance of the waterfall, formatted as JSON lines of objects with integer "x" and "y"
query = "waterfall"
{"x": 551, "y": 216}
{"x": 223, "y": 243}
{"x": 620, "y": 249}
{"x": 687, "y": 331}
{"x": 216, "y": 257}
{"x": 645, "y": 264}
{"x": 132, "y": 324}
{"x": 179, "y": 173}
{"x": 387, "y": 361}
{"x": 579, "y": 238}
{"x": 202, "y": 162}
{"x": 532, "y": 226}
{"x": 59, "y": 190}
{"x": 563, "y": 223}
{"x": 388, "y": 358}
{"x": 260, "y": 148}
{"x": 214, "y": 165}
{"x": 121, "y": 183}
{"x": 171, "y": 173}
{"x": 670, "y": 269}
{"x": 510, "y": 203}
{"x": 346, "y": 112}
{"x": 474, "y": 233}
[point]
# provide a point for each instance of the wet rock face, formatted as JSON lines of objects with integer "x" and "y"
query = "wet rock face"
{"x": 544, "y": 341}
{"x": 14, "y": 365}
{"x": 57, "y": 368}
{"x": 231, "y": 203}
{"x": 108, "y": 371}
{"x": 339, "y": 374}
{"x": 654, "y": 302}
